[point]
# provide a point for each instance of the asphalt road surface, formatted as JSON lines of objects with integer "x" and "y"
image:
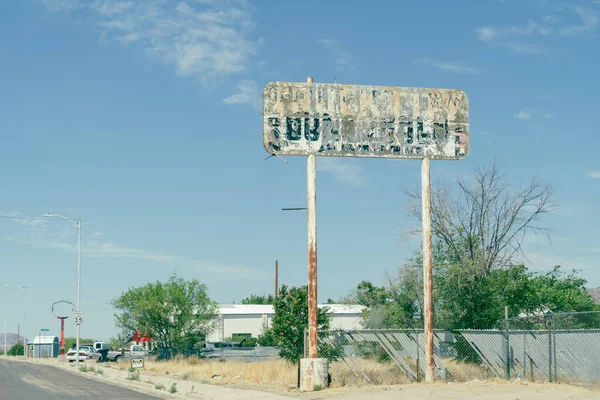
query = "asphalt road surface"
{"x": 24, "y": 381}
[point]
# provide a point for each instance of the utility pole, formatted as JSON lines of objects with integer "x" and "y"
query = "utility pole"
{"x": 427, "y": 271}
{"x": 276, "y": 278}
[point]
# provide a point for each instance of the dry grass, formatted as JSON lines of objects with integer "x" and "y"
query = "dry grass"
{"x": 279, "y": 374}
{"x": 464, "y": 372}
{"x": 378, "y": 373}
{"x": 270, "y": 373}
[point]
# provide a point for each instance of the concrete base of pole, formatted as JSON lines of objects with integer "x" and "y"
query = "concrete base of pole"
{"x": 314, "y": 374}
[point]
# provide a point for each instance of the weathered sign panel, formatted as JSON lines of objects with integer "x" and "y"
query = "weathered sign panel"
{"x": 365, "y": 121}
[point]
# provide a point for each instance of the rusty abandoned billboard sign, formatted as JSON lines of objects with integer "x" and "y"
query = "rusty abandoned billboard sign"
{"x": 365, "y": 121}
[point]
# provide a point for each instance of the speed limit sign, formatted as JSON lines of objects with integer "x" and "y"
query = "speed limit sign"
{"x": 78, "y": 317}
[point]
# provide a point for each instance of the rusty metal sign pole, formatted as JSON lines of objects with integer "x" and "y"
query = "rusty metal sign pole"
{"x": 311, "y": 204}
{"x": 427, "y": 270}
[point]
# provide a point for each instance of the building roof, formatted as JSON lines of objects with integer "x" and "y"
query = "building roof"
{"x": 44, "y": 340}
{"x": 344, "y": 308}
{"x": 235, "y": 309}
{"x": 248, "y": 309}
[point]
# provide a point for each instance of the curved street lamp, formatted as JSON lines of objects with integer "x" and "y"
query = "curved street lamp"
{"x": 78, "y": 226}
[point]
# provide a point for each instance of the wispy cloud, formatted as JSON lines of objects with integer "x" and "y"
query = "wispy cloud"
{"x": 247, "y": 93}
{"x": 549, "y": 115}
{"x": 61, "y": 5}
{"x": 505, "y": 37}
{"x": 593, "y": 174}
{"x": 204, "y": 38}
{"x": 37, "y": 234}
{"x": 343, "y": 59}
{"x": 523, "y": 114}
{"x": 522, "y": 38}
{"x": 457, "y": 68}
{"x": 343, "y": 170}
{"x": 588, "y": 23}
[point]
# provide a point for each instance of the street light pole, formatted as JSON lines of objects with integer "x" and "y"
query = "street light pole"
{"x": 78, "y": 226}
{"x": 24, "y": 289}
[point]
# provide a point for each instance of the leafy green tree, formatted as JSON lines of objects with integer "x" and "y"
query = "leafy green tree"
{"x": 256, "y": 299}
{"x": 368, "y": 295}
{"x": 291, "y": 319}
{"x": 267, "y": 338}
{"x": 562, "y": 292}
{"x": 177, "y": 314}
{"x": 16, "y": 350}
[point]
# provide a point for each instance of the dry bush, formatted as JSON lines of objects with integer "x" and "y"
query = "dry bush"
{"x": 464, "y": 372}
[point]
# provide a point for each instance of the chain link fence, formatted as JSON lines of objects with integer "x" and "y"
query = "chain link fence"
{"x": 555, "y": 347}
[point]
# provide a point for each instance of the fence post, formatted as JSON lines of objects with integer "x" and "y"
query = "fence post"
{"x": 507, "y": 363}
{"x": 549, "y": 349}
{"x": 554, "y": 345}
{"x": 418, "y": 358}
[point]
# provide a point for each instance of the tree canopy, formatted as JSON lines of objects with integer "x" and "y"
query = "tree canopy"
{"x": 291, "y": 319}
{"x": 257, "y": 299}
{"x": 478, "y": 228}
{"x": 176, "y": 314}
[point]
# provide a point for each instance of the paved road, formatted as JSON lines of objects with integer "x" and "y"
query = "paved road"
{"x": 24, "y": 381}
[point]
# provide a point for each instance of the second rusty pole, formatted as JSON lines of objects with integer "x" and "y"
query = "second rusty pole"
{"x": 427, "y": 271}
{"x": 311, "y": 205}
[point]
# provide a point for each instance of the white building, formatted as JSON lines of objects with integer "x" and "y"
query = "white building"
{"x": 237, "y": 320}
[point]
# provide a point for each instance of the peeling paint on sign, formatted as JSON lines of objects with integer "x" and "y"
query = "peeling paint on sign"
{"x": 365, "y": 121}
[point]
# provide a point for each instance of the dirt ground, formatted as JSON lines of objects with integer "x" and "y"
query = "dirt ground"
{"x": 470, "y": 390}
{"x": 478, "y": 390}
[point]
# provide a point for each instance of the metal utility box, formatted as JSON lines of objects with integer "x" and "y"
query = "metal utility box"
{"x": 45, "y": 346}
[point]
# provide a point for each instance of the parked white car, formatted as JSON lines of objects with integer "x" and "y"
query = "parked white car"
{"x": 85, "y": 353}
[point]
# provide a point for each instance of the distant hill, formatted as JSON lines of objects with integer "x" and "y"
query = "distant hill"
{"x": 11, "y": 340}
{"x": 595, "y": 294}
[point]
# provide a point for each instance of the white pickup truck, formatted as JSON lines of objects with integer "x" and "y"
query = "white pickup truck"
{"x": 135, "y": 351}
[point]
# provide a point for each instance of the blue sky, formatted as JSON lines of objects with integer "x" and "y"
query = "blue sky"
{"x": 143, "y": 118}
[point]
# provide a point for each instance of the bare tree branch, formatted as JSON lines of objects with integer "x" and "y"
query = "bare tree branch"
{"x": 481, "y": 220}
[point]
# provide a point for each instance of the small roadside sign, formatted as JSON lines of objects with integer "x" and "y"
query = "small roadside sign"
{"x": 45, "y": 330}
{"x": 137, "y": 363}
{"x": 78, "y": 317}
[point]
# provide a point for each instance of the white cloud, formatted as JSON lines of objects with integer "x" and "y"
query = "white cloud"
{"x": 593, "y": 174}
{"x": 487, "y": 33}
{"x": 523, "y": 114}
{"x": 61, "y": 5}
{"x": 520, "y": 38}
{"x": 248, "y": 93}
{"x": 345, "y": 171}
{"x": 457, "y": 68}
{"x": 204, "y": 39}
{"x": 35, "y": 232}
{"x": 589, "y": 21}
{"x": 343, "y": 59}
{"x": 550, "y": 115}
